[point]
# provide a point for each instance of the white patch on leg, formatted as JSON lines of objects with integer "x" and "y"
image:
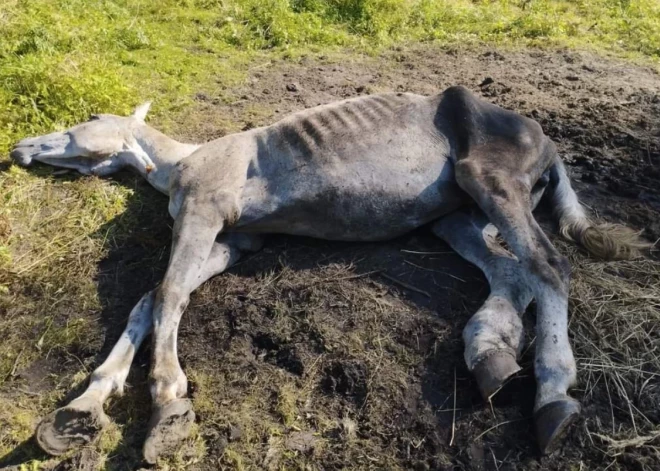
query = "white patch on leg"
{"x": 109, "y": 378}
{"x": 495, "y": 327}
{"x": 554, "y": 365}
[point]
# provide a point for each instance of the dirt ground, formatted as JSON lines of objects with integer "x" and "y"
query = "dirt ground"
{"x": 320, "y": 356}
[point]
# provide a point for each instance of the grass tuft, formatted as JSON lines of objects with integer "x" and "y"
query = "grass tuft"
{"x": 286, "y": 404}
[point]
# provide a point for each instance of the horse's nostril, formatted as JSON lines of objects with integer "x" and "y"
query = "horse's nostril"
{"x": 21, "y": 157}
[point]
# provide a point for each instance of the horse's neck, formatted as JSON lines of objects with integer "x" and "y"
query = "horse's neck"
{"x": 164, "y": 153}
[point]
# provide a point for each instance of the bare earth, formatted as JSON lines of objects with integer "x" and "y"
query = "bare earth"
{"x": 322, "y": 355}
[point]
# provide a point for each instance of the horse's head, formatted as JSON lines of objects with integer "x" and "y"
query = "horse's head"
{"x": 83, "y": 147}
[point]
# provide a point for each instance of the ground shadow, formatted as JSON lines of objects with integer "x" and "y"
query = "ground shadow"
{"x": 135, "y": 264}
{"x": 26, "y": 451}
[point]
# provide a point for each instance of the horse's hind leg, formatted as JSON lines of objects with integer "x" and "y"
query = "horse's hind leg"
{"x": 79, "y": 422}
{"x": 494, "y": 335}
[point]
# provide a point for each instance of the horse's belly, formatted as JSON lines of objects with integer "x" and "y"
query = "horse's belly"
{"x": 350, "y": 211}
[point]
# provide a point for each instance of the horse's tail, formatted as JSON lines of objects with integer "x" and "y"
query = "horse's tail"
{"x": 603, "y": 240}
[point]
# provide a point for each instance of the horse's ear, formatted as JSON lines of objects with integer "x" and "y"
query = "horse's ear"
{"x": 141, "y": 111}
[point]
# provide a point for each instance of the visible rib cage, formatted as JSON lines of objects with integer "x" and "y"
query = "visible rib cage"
{"x": 320, "y": 128}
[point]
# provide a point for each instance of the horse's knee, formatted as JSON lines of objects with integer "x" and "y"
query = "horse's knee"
{"x": 552, "y": 270}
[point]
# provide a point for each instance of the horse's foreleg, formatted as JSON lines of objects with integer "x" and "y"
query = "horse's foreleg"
{"x": 80, "y": 422}
{"x": 494, "y": 335}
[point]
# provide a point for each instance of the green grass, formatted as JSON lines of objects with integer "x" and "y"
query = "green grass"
{"x": 61, "y": 60}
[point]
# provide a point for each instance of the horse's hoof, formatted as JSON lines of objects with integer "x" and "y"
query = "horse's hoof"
{"x": 552, "y": 422}
{"x": 76, "y": 424}
{"x": 492, "y": 372}
{"x": 169, "y": 426}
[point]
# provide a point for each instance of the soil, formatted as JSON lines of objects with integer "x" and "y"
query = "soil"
{"x": 321, "y": 355}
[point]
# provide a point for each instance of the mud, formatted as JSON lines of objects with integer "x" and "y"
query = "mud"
{"x": 169, "y": 426}
{"x": 70, "y": 427}
{"x": 319, "y": 355}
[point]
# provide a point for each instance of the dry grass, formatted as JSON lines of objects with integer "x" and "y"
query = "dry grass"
{"x": 615, "y": 326}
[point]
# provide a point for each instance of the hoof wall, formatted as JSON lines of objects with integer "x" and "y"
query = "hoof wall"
{"x": 552, "y": 422}
{"x": 74, "y": 425}
{"x": 493, "y": 371}
{"x": 169, "y": 426}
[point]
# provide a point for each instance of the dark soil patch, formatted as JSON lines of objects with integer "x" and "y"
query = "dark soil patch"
{"x": 277, "y": 352}
{"x": 346, "y": 378}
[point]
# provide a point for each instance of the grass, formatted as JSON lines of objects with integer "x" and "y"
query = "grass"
{"x": 56, "y": 231}
{"x": 57, "y": 65}
{"x": 616, "y": 317}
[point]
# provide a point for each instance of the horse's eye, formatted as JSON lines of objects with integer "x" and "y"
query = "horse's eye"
{"x": 94, "y": 117}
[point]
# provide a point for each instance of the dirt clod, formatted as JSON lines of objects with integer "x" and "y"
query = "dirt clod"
{"x": 277, "y": 352}
{"x": 303, "y": 442}
{"x": 347, "y": 378}
{"x": 486, "y": 81}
